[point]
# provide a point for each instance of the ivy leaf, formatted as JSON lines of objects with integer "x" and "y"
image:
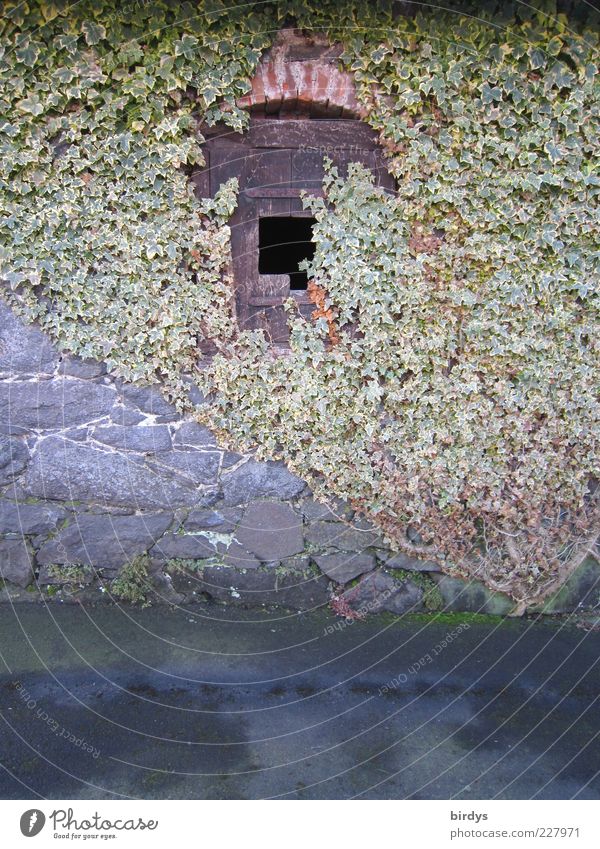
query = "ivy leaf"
{"x": 28, "y": 55}
{"x": 67, "y": 42}
{"x": 210, "y": 94}
{"x": 554, "y": 46}
{"x": 537, "y": 58}
{"x": 379, "y": 54}
{"x": 93, "y": 32}
{"x": 31, "y": 104}
{"x": 187, "y": 46}
{"x": 165, "y": 67}
{"x": 553, "y": 151}
{"x": 489, "y": 94}
{"x": 50, "y": 11}
{"x": 64, "y": 75}
{"x": 559, "y": 76}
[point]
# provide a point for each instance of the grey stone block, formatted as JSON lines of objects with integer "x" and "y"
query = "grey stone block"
{"x": 344, "y": 567}
{"x": 313, "y": 510}
{"x": 149, "y": 399}
{"x": 260, "y": 480}
{"x": 209, "y": 498}
{"x": 151, "y": 438}
{"x": 230, "y": 458}
{"x": 126, "y": 415}
{"x": 14, "y": 456}
{"x": 182, "y": 547}
{"x": 299, "y": 563}
{"x": 186, "y": 582}
{"x": 194, "y": 394}
{"x": 104, "y": 541}
{"x": 163, "y": 591}
{"x": 271, "y": 530}
{"x": 295, "y": 591}
{"x": 222, "y": 521}
{"x": 199, "y": 467}
{"x": 581, "y": 591}
{"x": 56, "y": 403}
{"x": 236, "y": 555}
{"x": 29, "y": 518}
{"x": 340, "y": 535}
{"x": 77, "y": 434}
{"x": 24, "y": 349}
{"x": 83, "y": 369}
{"x": 193, "y": 434}
{"x": 411, "y": 564}
{"x": 471, "y": 596}
{"x": 15, "y": 562}
{"x": 377, "y": 592}
{"x": 65, "y": 471}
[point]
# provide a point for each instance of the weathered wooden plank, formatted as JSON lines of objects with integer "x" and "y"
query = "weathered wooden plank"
{"x": 244, "y": 254}
{"x": 266, "y": 305}
{"x": 200, "y": 178}
{"x": 298, "y": 295}
{"x": 281, "y": 192}
{"x": 269, "y": 169}
{"x": 277, "y": 161}
{"x": 308, "y": 169}
{"x": 301, "y": 297}
{"x": 226, "y": 161}
{"x": 266, "y": 300}
{"x": 312, "y": 134}
{"x": 273, "y": 288}
{"x": 271, "y": 206}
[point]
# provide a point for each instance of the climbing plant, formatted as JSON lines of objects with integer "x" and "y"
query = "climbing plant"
{"x": 102, "y": 239}
{"x": 448, "y": 383}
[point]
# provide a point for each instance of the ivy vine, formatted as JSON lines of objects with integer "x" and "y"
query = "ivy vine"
{"x": 448, "y": 386}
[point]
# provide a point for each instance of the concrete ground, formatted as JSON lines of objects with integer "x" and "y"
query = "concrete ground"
{"x": 218, "y": 703}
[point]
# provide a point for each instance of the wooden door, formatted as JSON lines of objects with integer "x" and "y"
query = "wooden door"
{"x": 274, "y": 162}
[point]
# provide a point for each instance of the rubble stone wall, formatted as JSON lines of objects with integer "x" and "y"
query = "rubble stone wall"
{"x": 97, "y": 475}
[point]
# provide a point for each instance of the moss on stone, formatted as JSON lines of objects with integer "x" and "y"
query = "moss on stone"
{"x": 432, "y": 597}
{"x": 70, "y": 573}
{"x": 132, "y": 584}
{"x": 180, "y": 565}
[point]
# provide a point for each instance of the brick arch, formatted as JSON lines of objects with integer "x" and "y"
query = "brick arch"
{"x": 300, "y": 75}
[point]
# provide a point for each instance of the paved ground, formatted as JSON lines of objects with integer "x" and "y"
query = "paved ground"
{"x": 213, "y": 703}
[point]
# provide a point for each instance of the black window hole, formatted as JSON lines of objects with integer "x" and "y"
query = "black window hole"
{"x": 284, "y": 241}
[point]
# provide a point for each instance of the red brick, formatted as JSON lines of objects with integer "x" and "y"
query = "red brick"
{"x": 321, "y": 79}
{"x": 313, "y": 85}
{"x": 258, "y": 88}
{"x": 288, "y": 86}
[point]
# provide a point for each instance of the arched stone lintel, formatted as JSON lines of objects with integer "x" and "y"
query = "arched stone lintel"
{"x": 301, "y": 74}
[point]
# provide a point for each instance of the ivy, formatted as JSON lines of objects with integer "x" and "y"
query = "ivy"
{"x": 447, "y": 385}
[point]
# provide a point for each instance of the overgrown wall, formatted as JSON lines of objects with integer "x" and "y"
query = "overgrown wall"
{"x": 107, "y": 493}
{"x": 446, "y": 382}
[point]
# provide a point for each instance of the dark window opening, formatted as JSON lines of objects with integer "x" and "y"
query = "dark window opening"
{"x": 283, "y": 243}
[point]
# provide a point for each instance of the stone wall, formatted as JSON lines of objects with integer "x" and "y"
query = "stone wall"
{"x": 102, "y": 480}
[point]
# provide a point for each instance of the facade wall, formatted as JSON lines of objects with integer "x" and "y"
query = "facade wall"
{"x": 96, "y": 474}
{"x": 98, "y": 477}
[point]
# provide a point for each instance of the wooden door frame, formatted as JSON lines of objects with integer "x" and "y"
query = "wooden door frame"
{"x": 229, "y": 154}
